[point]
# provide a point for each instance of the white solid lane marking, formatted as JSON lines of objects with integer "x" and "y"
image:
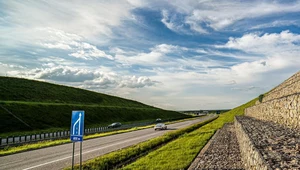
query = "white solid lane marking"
{"x": 87, "y": 152}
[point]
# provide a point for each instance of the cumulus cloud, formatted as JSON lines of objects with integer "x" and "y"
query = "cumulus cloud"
{"x": 277, "y": 51}
{"x": 274, "y": 42}
{"x": 137, "y": 82}
{"x": 89, "y": 79}
{"x": 58, "y": 73}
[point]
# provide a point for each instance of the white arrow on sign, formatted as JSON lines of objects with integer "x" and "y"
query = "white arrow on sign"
{"x": 78, "y": 121}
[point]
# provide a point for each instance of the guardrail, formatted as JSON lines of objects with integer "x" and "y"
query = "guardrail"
{"x": 32, "y": 138}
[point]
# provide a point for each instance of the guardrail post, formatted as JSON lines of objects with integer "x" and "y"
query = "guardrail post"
{"x": 20, "y": 139}
{"x": 13, "y": 139}
{"x": 0, "y": 141}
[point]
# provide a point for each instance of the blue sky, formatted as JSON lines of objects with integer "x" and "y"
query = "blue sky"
{"x": 178, "y": 55}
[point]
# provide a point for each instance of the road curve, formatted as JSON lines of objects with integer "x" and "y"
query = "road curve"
{"x": 58, "y": 157}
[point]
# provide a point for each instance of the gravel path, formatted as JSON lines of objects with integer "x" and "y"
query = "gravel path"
{"x": 279, "y": 146}
{"x": 222, "y": 151}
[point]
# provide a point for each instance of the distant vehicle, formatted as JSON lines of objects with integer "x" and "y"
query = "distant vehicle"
{"x": 160, "y": 126}
{"x": 115, "y": 125}
{"x": 158, "y": 120}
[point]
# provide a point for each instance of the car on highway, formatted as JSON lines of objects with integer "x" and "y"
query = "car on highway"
{"x": 160, "y": 126}
{"x": 158, "y": 120}
{"x": 115, "y": 125}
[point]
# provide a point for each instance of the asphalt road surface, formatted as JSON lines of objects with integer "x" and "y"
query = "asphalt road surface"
{"x": 59, "y": 157}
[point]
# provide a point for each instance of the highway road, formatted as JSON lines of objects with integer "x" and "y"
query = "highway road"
{"x": 59, "y": 157}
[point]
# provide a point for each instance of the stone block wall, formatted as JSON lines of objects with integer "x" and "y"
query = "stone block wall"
{"x": 281, "y": 105}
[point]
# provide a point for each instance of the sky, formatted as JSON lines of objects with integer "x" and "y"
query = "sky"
{"x": 175, "y": 55}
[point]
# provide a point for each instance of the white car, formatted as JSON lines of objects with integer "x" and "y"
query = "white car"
{"x": 160, "y": 126}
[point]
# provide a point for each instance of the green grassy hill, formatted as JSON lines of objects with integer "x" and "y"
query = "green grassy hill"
{"x": 45, "y": 106}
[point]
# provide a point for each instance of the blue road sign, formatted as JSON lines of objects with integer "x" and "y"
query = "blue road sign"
{"x": 77, "y": 126}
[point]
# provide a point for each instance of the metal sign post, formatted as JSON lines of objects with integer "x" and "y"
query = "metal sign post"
{"x": 77, "y": 131}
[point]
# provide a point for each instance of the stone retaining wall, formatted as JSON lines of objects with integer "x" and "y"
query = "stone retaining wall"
{"x": 288, "y": 87}
{"x": 285, "y": 111}
{"x": 250, "y": 155}
{"x": 281, "y": 105}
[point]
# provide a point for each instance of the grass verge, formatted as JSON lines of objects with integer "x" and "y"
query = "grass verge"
{"x": 43, "y": 144}
{"x": 180, "y": 153}
{"x": 113, "y": 159}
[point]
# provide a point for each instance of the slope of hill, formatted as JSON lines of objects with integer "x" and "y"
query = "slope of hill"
{"x": 34, "y": 105}
{"x": 16, "y": 89}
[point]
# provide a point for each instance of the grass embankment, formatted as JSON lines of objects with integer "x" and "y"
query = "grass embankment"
{"x": 113, "y": 159}
{"x": 180, "y": 153}
{"x": 46, "y": 117}
{"x": 45, "y": 106}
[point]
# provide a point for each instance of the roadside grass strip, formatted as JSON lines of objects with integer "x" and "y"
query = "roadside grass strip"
{"x": 43, "y": 144}
{"x": 114, "y": 159}
{"x": 180, "y": 153}
{"x": 47, "y": 143}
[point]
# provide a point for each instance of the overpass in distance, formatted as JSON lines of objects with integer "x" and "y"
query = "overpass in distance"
{"x": 218, "y": 111}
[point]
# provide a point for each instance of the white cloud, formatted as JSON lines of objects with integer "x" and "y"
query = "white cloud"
{"x": 88, "y": 79}
{"x": 154, "y": 57}
{"x": 137, "y": 82}
{"x": 217, "y": 15}
{"x": 278, "y": 50}
{"x": 273, "y": 42}
{"x": 72, "y": 43}
{"x": 58, "y": 46}
{"x": 57, "y": 73}
{"x": 85, "y": 19}
{"x": 170, "y": 21}
{"x": 5, "y": 68}
{"x": 277, "y": 23}
{"x": 88, "y": 52}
